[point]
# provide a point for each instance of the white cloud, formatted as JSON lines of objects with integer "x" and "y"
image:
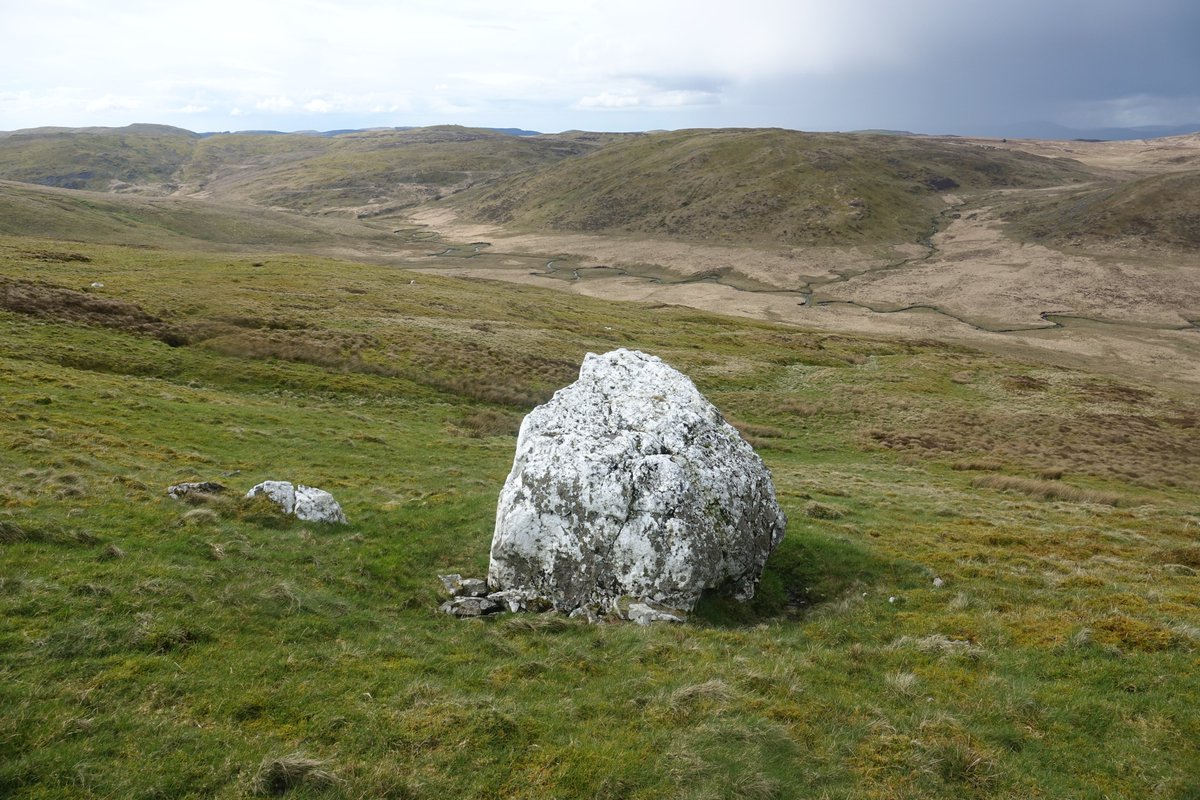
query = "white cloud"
{"x": 110, "y": 102}
{"x": 192, "y": 108}
{"x": 610, "y": 100}
{"x": 630, "y": 98}
{"x": 318, "y": 106}
{"x": 276, "y": 103}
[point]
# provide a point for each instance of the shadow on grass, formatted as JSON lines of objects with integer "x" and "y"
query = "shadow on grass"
{"x": 803, "y": 573}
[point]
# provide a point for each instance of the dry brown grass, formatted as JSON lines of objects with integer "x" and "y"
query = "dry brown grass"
{"x": 977, "y": 465}
{"x": 487, "y": 422}
{"x": 47, "y": 301}
{"x": 1048, "y": 490}
{"x": 279, "y": 775}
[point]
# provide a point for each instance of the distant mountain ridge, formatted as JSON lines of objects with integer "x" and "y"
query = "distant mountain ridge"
{"x": 1039, "y": 129}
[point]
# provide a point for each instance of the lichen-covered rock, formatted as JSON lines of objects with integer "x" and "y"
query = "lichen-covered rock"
{"x": 451, "y": 584}
{"x": 471, "y": 606}
{"x": 304, "y": 502}
{"x": 629, "y": 483}
{"x": 181, "y": 490}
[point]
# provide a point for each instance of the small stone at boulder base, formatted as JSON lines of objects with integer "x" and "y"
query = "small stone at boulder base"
{"x": 629, "y": 482}
{"x": 515, "y": 600}
{"x": 474, "y": 587}
{"x": 303, "y": 502}
{"x": 452, "y": 584}
{"x": 471, "y": 606}
{"x": 182, "y": 490}
{"x": 643, "y": 612}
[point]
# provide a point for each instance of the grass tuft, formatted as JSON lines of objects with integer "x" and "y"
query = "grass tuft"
{"x": 1049, "y": 490}
{"x": 276, "y": 776}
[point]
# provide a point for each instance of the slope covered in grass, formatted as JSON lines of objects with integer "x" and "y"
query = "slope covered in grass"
{"x": 155, "y": 648}
{"x": 1158, "y": 211}
{"x": 50, "y": 213}
{"x": 365, "y": 172}
{"x": 385, "y": 170}
{"x": 760, "y": 186}
{"x": 96, "y": 158}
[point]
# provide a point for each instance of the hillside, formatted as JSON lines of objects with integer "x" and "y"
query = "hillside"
{"x": 366, "y": 173}
{"x": 171, "y": 222}
{"x": 988, "y": 586}
{"x": 759, "y": 186}
{"x": 1161, "y": 211}
{"x": 101, "y": 159}
{"x": 355, "y": 173}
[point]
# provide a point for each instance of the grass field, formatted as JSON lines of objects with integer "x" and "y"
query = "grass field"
{"x": 990, "y": 585}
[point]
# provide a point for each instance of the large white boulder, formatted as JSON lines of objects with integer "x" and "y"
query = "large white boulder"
{"x": 629, "y": 485}
{"x": 304, "y": 502}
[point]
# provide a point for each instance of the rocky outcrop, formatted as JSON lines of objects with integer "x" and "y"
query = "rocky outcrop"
{"x": 304, "y": 502}
{"x": 630, "y": 494}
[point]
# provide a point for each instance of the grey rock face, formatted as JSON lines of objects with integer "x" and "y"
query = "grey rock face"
{"x": 304, "y": 502}
{"x": 629, "y": 483}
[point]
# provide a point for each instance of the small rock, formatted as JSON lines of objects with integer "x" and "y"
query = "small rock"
{"x": 474, "y": 587}
{"x": 938, "y": 583}
{"x": 181, "y": 490}
{"x": 512, "y": 599}
{"x": 281, "y": 493}
{"x": 588, "y": 613}
{"x": 643, "y": 612}
{"x": 470, "y": 606}
{"x": 303, "y": 502}
{"x": 452, "y": 584}
{"x": 97, "y": 285}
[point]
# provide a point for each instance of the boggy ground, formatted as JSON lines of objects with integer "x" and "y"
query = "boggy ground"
{"x": 1113, "y": 310}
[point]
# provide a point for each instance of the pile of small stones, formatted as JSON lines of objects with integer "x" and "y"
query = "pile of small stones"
{"x": 469, "y": 597}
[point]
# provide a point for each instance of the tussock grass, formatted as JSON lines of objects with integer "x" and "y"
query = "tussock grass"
{"x": 488, "y": 422}
{"x": 1049, "y": 490}
{"x": 276, "y": 776}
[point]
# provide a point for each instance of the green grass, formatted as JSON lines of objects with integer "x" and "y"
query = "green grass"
{"x": 759, "y": 186}
{"x": 153, "y": 648}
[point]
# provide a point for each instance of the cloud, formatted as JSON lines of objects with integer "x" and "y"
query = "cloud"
{"x": 626, "y": 99}
{"x": 609, "y": 100}
{"x": 276, "y": 103}
{"x": 836, "y": 63}
{"x": 111, "y": 102}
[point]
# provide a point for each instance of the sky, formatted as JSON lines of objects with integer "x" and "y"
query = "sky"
{"x": 952, "y": 66}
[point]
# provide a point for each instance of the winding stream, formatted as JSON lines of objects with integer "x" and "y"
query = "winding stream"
{"x": 805, "y": 293}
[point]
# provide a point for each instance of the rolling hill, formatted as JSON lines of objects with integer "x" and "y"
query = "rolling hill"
{"x": 148, "y": 157}
{"x": 1157, "y": 211}
{"x": 174, "y": 222}
{"x": 759, "y": 186}
{"x": 356, "y": 173}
